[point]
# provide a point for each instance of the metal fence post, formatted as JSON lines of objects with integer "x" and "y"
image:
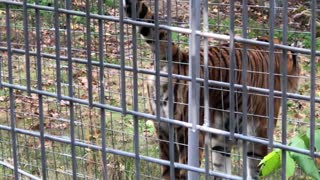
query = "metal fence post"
{"x": 11, "y": 94}
{"x": 206, "y": 117}
{"x": 40, "y": 96}
{"x": 244, "y": 88}
{"x": 135, "y": 93}
{"x": 284, "y": 89}
{"x": 271, "y": 75}
{"x": 102, "y": 93}
{"x": 194, "y": 88}
{"x": 313, "y": 75}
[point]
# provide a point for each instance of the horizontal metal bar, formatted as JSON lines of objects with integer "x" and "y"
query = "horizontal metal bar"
{"x": 256, "y": 140}
{"x": 176, "y": 76}
{"x": 189, "y": 125}
{"x": 166, "y": 27}
{"x": 19, "y": 170}
{"x": 119, "y": 152}
{"x": 167, "y": 120}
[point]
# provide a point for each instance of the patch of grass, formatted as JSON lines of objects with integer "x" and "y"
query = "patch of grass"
{"x": 78, "y": 20}
{"x": 179, "y": 38}
{"x": 3, "y": 92}
{"x": 219, "y": 25}
{"x": 111, "y": 3}
{"x": 304, "y": 38}
{"x": 112, "y": 61}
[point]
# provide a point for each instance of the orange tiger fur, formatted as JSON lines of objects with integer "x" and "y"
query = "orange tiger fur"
{"x": 257, "y": 76}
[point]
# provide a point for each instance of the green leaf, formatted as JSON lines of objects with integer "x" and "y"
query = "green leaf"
{"x": 290, "y": 166}
{"x": 305, "y": 162}
{"x": 270, "y": 163}
{"x": 305, "y": 139}
{"x": 316, "y": 138}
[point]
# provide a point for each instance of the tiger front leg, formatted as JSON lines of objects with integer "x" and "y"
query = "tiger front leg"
{"x": 182, "y": 145}
{"x": 255, "y": 154}
{"x": 162, "y": 130}
{"x": 255, "y": 151}
{"x": 220, "y": 146}
{"x": 257, "y": 126}
{"x": 220, "y": 153}
{"x": 182, "y": 140}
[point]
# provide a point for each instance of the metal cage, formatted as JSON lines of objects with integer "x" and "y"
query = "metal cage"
{"x": 73, "y": 98}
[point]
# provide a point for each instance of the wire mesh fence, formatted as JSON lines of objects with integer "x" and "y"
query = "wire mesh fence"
{"x": 75, "y": 99}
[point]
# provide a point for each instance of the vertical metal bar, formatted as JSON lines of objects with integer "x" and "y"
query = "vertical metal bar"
{"x": 156, "y": 58}
{"x": 313, "y": 74}
{"x": 57, "y": 44}
{"x": 231, "y": 71}
{"x": 206, "y": 90}
{"x": 122, "y": 59}
{"x": 2, "y": 36}
{"x": 170, "y": 93}
{"x": 1, "y": 61}
{"x": 40, "y": 96}
{"x": 89, "y": 65}
{"x": 244, "y": 88}
{"x": 102, "y": 94}
{"x": 271, "y": 75}
{"x": 26, "y": 45}
{"x": 135, "y": 92}
{"x": 70, "y": 91}
{"x": 284, "y": 83}
{"x": 194, "y": 88}
{"x": 11, "y": 97}
{"x": 169, "y": 58}
{"x": 157, "y": 82}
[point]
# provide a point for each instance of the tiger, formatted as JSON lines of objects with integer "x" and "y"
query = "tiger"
{"x": 218, "y": 64}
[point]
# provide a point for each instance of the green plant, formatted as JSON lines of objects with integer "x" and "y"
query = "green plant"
{"x": 272, "y": 162}
{"x": 219, "y": 25}
{"x": 111, "y": 3}
{"x": 176, "y": 37}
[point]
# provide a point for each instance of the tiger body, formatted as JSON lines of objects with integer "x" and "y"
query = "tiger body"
{"x": 218, "y": 64}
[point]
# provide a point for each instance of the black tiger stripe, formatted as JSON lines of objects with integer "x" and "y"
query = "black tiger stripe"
{"x": 225, "y": 57}
{"x": 145, "y": 31}
{"x": 221, "y": 150}
{"x": 144, "y": 10}
{"x": 295, "y": 59}
{"x": 238, "y": 64}
{"x": 254, "y": 155}
{"x": 175, "y": 86}
{"x": 166, "y": 172}
{"x": 161, "y": 35}
{"x": 213, "y": 50}
{"x": 218, "y": 54}
{"x": 149, "y": 41}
